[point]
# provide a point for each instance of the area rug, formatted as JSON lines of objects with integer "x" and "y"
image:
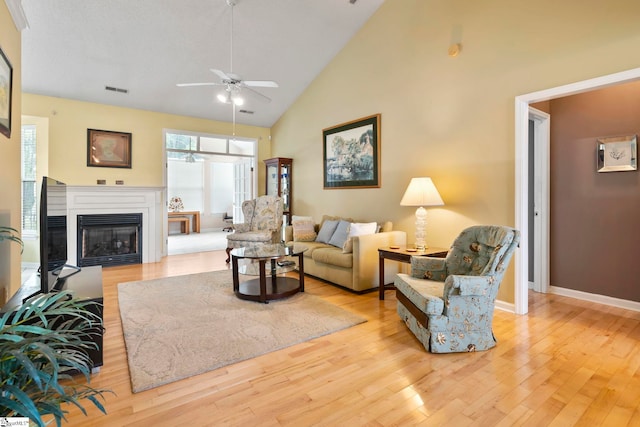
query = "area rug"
{"x": 181, "y": 326}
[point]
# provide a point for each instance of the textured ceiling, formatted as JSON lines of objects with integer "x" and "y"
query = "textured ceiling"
{"x": 74, "y": 48}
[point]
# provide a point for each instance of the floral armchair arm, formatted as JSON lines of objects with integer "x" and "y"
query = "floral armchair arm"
{"x": 242, "y": 228}
{"x": 423, "y": 267}
{"x": 468, "y": 285}
{"x": 466, "y": 296}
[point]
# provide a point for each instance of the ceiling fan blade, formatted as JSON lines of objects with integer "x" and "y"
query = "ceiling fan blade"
{"x": 199, "y": 84}
{"x": 260, "y": 83}
{"x": 258, "y": 95}
{"x": 221, "y": 74}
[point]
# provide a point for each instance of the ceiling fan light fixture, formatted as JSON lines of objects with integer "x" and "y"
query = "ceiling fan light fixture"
{"x": 237, "y": 99}
{"x": 224, "y": 97}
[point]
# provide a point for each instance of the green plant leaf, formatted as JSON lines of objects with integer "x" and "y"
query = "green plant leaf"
{"x": 21, "y": 404}
{"x": 41, "y": 343}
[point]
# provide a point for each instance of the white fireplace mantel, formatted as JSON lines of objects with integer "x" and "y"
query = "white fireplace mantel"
{"x": 102, "y": 199}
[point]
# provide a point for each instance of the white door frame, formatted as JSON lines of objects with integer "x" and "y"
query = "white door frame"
{"x": 522, "y": 164}
{"x": 541, "y": 141}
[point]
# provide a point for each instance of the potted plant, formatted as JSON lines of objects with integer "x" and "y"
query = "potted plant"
{"x": 11, "y": 234}
{"x": 43, "y": 344}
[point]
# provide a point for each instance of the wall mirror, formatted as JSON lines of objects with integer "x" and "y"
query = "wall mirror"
{"x": 617, "y": 154}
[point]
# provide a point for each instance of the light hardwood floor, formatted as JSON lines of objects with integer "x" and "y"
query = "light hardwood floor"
{"x": 567, "y": 362}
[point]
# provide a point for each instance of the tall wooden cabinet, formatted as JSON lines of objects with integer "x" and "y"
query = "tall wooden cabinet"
{"x": 279, "y": 171}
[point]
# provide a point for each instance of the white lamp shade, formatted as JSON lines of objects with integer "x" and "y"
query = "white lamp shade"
{"x": 421, "y": 192}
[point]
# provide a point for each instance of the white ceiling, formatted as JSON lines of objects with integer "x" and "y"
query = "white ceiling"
{"x": 74, "y": 48}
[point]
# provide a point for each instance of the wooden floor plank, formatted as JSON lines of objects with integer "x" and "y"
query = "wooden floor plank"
{"x": 567, "y": 362}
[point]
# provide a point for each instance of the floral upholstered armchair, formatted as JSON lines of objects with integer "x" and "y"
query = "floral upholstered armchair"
{"x": 448, "y": 303}
{"x": 262, "y": 224}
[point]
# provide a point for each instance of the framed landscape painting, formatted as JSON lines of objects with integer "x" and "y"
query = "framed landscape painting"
{"x": 6, "y": 82}
{"x": 351, "y": 154}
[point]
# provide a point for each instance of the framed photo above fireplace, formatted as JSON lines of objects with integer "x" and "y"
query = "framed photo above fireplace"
{"x": 108, "y": 149}
{"x": 351, "y": 154}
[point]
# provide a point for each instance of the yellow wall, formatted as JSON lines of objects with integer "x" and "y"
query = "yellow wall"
{"x": 69, "y": 121}
{"x": 451, "y": 118}
{"x": 10, "y": 161}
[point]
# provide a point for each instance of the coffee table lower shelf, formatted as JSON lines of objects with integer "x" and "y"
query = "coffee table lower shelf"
{"x": 275, "y": 288}
{"x": 271, "y": 283}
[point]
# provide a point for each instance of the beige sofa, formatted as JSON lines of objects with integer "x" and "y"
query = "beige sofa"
{"x": 358, "y": 270}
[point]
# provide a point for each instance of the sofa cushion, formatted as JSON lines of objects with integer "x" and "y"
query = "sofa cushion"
{"x": 341, "y": 234}
{"x": 304, "y": 231}
{"x": 251, "y": 236}
{"x": 308, "y": 247}
{"x": 333, "y": 256}
{"x": 326, "y": 230}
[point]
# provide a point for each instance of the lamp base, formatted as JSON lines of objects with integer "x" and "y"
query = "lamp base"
{"x": 421, "y": 223}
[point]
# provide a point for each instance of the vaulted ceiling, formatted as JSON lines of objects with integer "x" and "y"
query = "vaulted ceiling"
{"x": 76, "y": 48}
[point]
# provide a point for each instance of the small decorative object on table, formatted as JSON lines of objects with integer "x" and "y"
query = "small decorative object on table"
{"x": 175, "y": 204}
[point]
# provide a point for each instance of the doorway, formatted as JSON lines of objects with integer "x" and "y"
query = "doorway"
{"x": 210, "y": 175}
{"x": 522, "y": 110}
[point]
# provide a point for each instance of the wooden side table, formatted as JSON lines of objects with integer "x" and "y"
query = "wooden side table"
{"x": 402, "y": 254}
{"x": 196, "y": 218}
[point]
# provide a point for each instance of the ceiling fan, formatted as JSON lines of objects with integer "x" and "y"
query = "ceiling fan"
{"x": 233, "y": 84}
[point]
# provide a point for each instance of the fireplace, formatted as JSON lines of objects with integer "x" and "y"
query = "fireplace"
{"x": 109, "y": 239}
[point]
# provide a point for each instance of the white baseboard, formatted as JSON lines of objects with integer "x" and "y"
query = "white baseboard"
{"x": 505, "y": 306}
{"x": 600, "y": 299}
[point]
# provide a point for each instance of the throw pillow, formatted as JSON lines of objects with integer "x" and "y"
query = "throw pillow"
{"x": 300, "y": 218}
{"x": 303, "y": 231}
{"x": 341, "y": 234}
{"x": 358, "y": 229}
{"x": 326, "y": 231}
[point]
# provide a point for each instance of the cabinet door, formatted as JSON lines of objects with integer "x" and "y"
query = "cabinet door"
{"x": 272, "y": 180}
{"x": 285, "y": 185}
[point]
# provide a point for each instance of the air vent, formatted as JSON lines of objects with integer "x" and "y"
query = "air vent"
{"x": 116, "y": 89}
{"x": 245, "y": 111}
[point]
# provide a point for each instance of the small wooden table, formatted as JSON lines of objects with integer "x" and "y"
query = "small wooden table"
{"x": 194, "y": 214}
{"x": 402, "y": 254}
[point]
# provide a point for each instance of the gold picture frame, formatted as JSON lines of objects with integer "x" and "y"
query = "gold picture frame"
{"x": 108, "y": 149}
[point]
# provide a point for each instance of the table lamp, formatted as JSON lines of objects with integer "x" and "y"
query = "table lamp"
{"x": 421, "y": 192}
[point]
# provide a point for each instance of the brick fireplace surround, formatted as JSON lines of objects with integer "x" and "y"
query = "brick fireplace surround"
{"x": 93, "y": 200}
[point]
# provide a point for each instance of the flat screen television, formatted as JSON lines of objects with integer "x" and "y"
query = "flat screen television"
{"x": 53, "y": 269}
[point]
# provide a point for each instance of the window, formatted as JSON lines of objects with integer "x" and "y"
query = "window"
{"x": 29, "y": 187}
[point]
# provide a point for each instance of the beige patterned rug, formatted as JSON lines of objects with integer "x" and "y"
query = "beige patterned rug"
{"x": 177, "y": 327}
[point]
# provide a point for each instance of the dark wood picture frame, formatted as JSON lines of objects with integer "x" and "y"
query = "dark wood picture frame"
{"x": 351, "y": 154}
{"x": 108, "y": 149}
{"x": 6, "y": 89}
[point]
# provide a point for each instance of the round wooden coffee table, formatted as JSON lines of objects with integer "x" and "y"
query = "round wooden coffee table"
{"x": 269, "y": 259}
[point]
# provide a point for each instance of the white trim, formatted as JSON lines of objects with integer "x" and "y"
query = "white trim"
{"x": 521, "y": 140}
{"x": 542, "y": 135}
{"x": 505, "y": 306}
{"x": 17, "y": 13}
{"x": 102, "y": 199}
{"x": 597, "y": 298}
